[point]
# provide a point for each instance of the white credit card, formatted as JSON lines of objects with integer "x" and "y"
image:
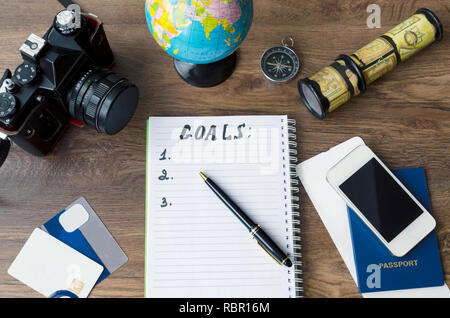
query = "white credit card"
{"x": 47, "y": 265}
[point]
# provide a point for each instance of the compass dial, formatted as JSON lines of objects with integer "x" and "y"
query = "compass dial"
{"x": 279, "y": 64}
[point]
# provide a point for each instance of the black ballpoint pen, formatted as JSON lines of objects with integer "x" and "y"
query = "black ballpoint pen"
{"x": 255, "y": 230}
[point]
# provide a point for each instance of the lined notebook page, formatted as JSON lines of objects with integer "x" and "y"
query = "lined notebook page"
{"x": 195, "y": 246}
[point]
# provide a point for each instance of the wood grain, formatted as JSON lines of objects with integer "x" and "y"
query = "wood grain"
{"x": 404, "y": 118}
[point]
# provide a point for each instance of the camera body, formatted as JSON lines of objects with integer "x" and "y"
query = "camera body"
{"x": 64, "y": 76}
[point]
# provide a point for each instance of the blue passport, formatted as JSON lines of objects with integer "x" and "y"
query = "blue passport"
{"x": 377, "y": 269}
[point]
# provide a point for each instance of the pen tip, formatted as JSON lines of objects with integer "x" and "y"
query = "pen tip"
{"x": 288, "y": 263}
{"x": 204, "y": 177}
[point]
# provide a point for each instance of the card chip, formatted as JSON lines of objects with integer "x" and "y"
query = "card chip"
{"x": 76, "y": 286}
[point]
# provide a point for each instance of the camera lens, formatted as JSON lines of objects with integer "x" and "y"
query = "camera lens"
{"x": 103, "y": 100}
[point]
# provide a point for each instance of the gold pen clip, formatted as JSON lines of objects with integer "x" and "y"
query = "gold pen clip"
{"x": 268, "y": 252}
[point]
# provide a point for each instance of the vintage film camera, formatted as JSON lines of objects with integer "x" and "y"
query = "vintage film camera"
{"x": 63, "y": 76}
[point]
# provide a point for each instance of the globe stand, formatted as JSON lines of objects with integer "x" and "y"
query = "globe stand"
{"x": 206, "y": 75}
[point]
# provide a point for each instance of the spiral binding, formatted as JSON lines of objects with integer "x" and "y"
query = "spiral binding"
{"x": 295, "y": 204}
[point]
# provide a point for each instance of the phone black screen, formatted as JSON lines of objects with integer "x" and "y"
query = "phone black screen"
{"x": 381, "y": 199}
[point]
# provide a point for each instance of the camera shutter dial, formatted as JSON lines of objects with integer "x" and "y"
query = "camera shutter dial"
{"x": 25, "y": 74}
{"x": 65, "y": 22}
{"x": 7, "y": 105}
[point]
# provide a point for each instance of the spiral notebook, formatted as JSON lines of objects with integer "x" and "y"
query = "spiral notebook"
{"x": 195, "y": 247}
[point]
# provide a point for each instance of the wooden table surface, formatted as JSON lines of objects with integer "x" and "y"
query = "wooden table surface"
{"x": 403, "y": 117}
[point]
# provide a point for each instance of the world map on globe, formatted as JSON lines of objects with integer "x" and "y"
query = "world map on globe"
{"x": 199, "y": 31}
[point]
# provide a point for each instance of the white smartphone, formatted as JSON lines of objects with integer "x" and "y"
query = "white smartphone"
{"x": 381, "y": 200}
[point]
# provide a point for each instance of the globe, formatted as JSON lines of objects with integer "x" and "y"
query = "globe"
{"x": 200, "y": 32}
